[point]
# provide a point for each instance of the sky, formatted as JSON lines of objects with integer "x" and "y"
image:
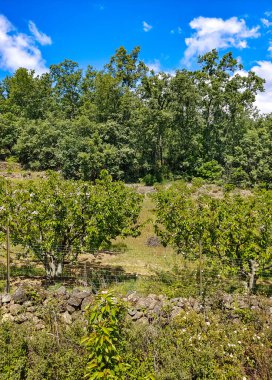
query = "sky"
{"x": 171, "y": 33}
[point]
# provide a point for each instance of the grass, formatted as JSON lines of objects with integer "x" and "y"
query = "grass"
{"x": 138, "y": 257}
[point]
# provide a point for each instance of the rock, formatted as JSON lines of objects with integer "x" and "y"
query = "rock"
{"x": 6, "y": 298}
{"x": 153, "y": 241}
{"x": 87, "y": 301}
{"x": 143, "y": 303}
{"x": 27, "y": 303}
{"x": 20, "y": 295}
{"x": 21, "y": 318}
{"x": 7, "y": 318}
{"x": 15, "y": 309}
{"x": 76, "y": 315}
{"x": 70, "y": 309}
{"x": 137, "y": 316}
{"x": 83, "y": 294}
{"x": 74, "y": 301}
{"x": 175, "y": 312}
{"x": 61, "y": 291}
{"x": 67, "y": 318}
{"x": 40, "y": 326}
{"x": 143, "y": 320}
{"x": 31, "y": 309}
{"x": 152, "y": 305}
{"x": 132, "y": 312}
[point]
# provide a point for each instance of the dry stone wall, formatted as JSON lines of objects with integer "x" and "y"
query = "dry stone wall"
{"x": 38, "y": 306}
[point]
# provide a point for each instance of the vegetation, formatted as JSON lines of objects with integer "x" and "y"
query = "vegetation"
{"x": 57, "y": 219}
{"x": 232, "y": 228}
{"x": 191, "y": 346}
{"x": 90, "y": 129}
{"x": 137, "y": 123}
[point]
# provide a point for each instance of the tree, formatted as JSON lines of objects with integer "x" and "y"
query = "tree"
{"x": 57, "y": 219}
{"x": 67, "y": 86}
{"x": 27, "y": 94}
{"x": 236, "y": 229}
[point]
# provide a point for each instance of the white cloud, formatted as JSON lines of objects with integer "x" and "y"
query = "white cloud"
{"x": 41, "y": 37}
{"x": 268, "y": 13}
{"x": 264, "y": 99}
{"x": 216, "y": 33}
{"x": 178, "y": 30}
{"x": 146, "y": 26}
{"x": 266, "y": 22}
{"x": 155, "y": 66}
{"x": 18, "y": 49}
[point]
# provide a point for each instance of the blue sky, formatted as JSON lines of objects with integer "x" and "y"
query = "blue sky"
{"x": 172, "y": 33}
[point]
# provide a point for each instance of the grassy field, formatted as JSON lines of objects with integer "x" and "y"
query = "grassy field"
{"x": 136, "y": 255}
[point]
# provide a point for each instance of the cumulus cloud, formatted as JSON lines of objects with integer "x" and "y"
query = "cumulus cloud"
{"x": 146, "y": 26}
{"x": 266, "y": 22}
{"x": 19, "y": 49}
{"x": 216, "y": 33}
{"x": 264, "y": 99}
{"x": 41, "y": 37}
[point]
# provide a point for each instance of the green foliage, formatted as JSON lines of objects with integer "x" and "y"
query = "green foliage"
{"x": 57, "y": 219}
{"x": 27, "y": 354}
{"x": 234, "y": 228}
{"x": 204, "y": 346}
{"x": 136, "y": 123}
{"x": 104, "y": 341}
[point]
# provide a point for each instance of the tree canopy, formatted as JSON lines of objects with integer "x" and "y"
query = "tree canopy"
{"x": 137, "y": 123}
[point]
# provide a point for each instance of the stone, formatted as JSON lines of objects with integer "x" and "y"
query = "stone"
{"x": 76, "y": 315}
{"x": 21, "y": 318}
{"x": 15, "y": 309}
{"x": 83, "y": 294}
{"x": 137, "y": 316}
{"x": 6, "y": 298}
{"x": 74, "y": 301}
{"x": 152, "y": 305}
{"x": 27, "y": 303}
{"x": 143, "y": 321}
{"x": 87, "y": 301}
{"x": 7, "y": 318}
{"x": 70, "y": 309}
{"x": 67, "y": 318}
{"x": 40, "y": 326}
{"x": 31, "y": 309}
{"x": 143, "y": 303}
{"x": 132, "y": 312}
{"x": 61, "y": 291}
{"x": 20, "y": 295}
{"x": 175, "y": 312}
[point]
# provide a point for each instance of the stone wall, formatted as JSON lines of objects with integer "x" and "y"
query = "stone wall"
{"x": 38, "y": 306}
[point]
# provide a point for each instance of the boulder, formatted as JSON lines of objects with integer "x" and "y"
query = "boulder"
{"x": 20, "y": 295}
{"x": 7, "y": 317}
{"x": 70, "y": 309}
{"x": 87, "y": 301}
{"x": 67, "y": 318}
{"x": 6, "y": 298}
{"x": 15, "y": 309}
{"x": 74, "y": 301}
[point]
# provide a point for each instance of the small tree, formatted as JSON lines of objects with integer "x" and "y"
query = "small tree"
{"x": 236, "y": 229}
{"x": 104, "y": 339}
{"x": 57, "y": 219}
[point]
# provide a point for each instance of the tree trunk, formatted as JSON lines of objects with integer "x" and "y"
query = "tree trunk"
{"x": 53, "y": 266}
{"x": 252, "y": 275}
